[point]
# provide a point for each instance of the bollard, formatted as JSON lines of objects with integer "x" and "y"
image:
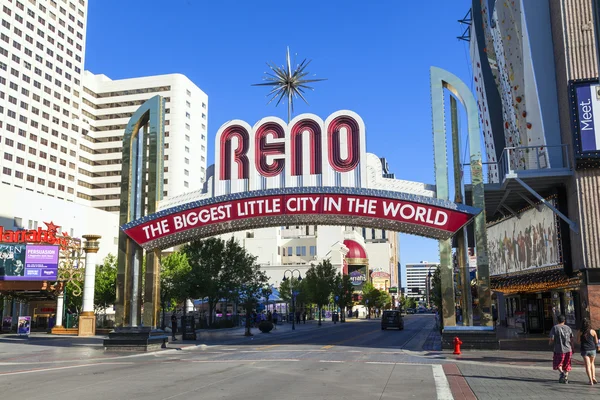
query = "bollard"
{"x": 457, "y": 342}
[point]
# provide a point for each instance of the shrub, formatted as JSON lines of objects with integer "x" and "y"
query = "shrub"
{"x": 265, "y": 326}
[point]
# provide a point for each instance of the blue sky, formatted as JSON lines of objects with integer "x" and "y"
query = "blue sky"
{"x": 375, "y": 54}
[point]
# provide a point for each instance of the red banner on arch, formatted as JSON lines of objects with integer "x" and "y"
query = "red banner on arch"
{"x": 414, "y": 213}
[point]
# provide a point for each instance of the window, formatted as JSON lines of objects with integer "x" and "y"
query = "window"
{"x": 188, "y": 92}
{"x": 185, "y": 171}
{"x": 187, "y": 126}
{"x": 188, "y": 115}
{"x": 187, "y": 103}
{"x": 187, "y": 160}
{"x": 313, "y": 250}
{"x": 6, "y": 171}
{"x": 18, "y": 174}
{"x": 186, "y": 184}
{"x": 9, "y": 157}
{"x": 290, "y": 251}
{"x": 187, "y": 138}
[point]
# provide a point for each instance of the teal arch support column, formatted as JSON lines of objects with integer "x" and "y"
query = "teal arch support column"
{"x": 440, "y": 80}
{"x": 141, "y": 190}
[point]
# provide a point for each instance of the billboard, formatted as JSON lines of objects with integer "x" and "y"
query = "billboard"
{"x": 21, "y": 262}
{"x": 585, "y": 98}
{"x": 358, "y": 275}
{"x": 517, "y": 244}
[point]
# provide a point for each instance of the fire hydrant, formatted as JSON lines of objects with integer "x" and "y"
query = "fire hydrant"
{"x": 457, "y": 342}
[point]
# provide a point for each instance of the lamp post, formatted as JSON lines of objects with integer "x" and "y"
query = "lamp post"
{"x": 293, "y": 292}
{"x": 428, "y": 286}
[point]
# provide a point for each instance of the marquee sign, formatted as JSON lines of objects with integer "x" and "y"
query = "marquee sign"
{"x": 321, "y": 206}
{"x": 307, "y": 172}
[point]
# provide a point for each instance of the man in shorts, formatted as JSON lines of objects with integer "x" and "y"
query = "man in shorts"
{"x": 562, "y": 337}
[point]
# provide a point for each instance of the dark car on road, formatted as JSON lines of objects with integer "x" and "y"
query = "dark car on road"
{"x": 392, "y": 319}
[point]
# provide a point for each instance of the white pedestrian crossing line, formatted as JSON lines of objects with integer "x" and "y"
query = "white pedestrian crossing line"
{"x": 442, "y": 387}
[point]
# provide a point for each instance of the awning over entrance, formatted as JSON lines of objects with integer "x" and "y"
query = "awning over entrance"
{"x": 533, "y": 282}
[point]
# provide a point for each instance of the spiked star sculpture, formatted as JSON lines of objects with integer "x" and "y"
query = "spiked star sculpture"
{"x": 287, "y": 83}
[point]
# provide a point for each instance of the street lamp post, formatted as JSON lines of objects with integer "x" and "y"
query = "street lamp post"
{"x": 293, "y": 292}
{"x": 428, "y": 286}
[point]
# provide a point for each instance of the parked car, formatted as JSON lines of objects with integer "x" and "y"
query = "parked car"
{"x": 392, "y": 319}
{"x": 410, "y": 311}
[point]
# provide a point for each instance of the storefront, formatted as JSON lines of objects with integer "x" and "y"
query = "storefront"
{"x": 532, "y": 301}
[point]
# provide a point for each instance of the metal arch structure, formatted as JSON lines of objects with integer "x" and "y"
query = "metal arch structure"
{"x": 141, "y": 191}
{"x": 443, "y": 80}
{"x": 308, "y": 171}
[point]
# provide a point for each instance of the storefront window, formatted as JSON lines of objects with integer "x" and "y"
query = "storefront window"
{"x": 570, "y": 308}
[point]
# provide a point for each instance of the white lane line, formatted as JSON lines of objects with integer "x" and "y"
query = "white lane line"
{"x": 32, "y": 371}
{"x": 330, "y": 361}
{"x": 247, "y": 361}
{"x": 442, "y": 388}
{"x": 380, "y": 362}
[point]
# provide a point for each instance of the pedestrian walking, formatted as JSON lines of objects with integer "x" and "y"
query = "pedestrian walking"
{"x": 304, "y": 317}
{"x": 173, "y": 326}
{"x": 275, "y": 318}
{"x": 589, "y": 344}
{"x": 562, "y": 338}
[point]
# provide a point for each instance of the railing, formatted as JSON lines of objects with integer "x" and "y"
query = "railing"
{"x": 516, "y": 160}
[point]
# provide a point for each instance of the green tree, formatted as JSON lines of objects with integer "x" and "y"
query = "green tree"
{"x": 251, "y": 290}
{"x": 343, "y": 290}
{"x": 320, "y": 282}
{"x": 105, "y": 289}
{"x": 174, "y": 269}
{"x": 436, "y": 289}
{"x": 368, "y": 295}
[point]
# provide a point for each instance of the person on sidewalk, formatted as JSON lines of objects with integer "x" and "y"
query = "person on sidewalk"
{"x": 562, "y": 338}
{"x": 589, "y": 344}
{"x": 275, "y": 318}
{"x": 173, "y": 326}
{"x": 304, "y": 317}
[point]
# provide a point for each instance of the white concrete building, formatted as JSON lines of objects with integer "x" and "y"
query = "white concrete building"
{"x": 416, "y": 278}
{"x": 42, "y": 48}
{"x": 107, "y": 106}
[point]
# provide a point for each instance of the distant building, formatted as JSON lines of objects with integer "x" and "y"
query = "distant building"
{"x": 416, "y": 278}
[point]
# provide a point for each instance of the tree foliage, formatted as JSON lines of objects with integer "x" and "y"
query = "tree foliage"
{"x": 374, "y": 298}
{"x": 222, "y": 270}
{"x": 174, "y": 269}
{"x": 436, "y": 289}
{"x": 105, "y": 287}
{"x": 343, "y": 289}
{"x": 320, "y": 282}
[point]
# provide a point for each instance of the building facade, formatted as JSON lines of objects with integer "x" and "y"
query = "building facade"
{"x": 108, "y": 105}
{"x": 526, "y": 58}
{"x": 417, "y": 276}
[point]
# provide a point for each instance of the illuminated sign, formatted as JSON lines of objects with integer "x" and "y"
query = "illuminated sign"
{"x": 39, "y": 235}
{"x": 20, "y": 262}
{"x": 225, "y": 214}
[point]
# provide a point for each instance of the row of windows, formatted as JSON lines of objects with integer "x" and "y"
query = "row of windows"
{"x": 40, "y": 181}
{"x": 23, "y": 133}
{"x": 127, "y": 92}
{"x": 35, "y": 124}
{"x": 300, "y": 251}
{"x": 42, "y": 154}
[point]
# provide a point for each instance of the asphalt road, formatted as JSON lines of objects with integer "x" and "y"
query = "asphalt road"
{"x": 355, "y": 360}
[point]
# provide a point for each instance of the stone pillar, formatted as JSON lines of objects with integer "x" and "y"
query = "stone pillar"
{"x": 87, "y": 319}
{"x": 60, "y": 308}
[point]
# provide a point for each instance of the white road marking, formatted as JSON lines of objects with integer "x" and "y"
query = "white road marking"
{"x": 380, "y": 362}
{"x": 442, "y": 388}
{"x": 330, "y": 361}
{"x": 32, "y": 371}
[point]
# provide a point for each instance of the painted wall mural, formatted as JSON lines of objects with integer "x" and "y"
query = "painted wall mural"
{"x": 517, "y": 244}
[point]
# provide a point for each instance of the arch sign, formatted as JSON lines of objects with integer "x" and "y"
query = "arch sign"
{"x": 309, "y": 171}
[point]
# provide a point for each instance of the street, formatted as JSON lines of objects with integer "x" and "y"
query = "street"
{"x": 355, "y": 360}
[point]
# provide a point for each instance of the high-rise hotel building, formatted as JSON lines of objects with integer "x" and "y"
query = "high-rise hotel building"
{"x": 42, "y": 48}
{"x": 107, "y": 106}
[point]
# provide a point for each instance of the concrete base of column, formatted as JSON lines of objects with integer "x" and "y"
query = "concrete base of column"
{"x": 87, "y": 324}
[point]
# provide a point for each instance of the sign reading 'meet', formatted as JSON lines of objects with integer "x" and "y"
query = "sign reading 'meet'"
{"x": 388, "y": 210}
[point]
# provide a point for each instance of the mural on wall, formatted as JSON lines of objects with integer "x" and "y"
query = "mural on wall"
{"x": 517, "y": 244}
{"x": 505, "y": 48}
